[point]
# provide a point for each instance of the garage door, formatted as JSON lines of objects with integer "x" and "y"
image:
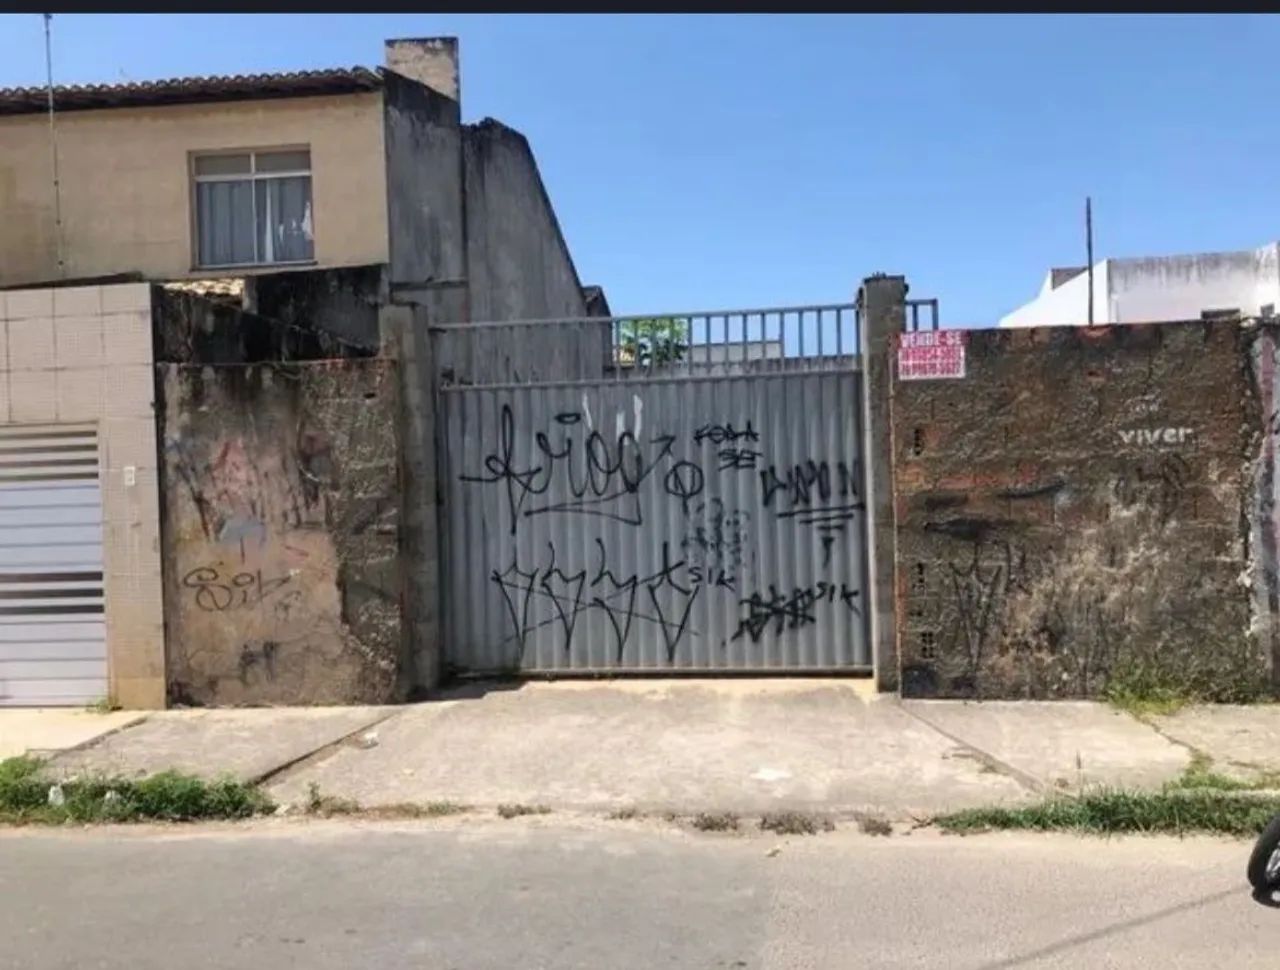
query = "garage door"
{"x": 53, "y": 641}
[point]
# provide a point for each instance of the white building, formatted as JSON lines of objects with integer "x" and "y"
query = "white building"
{"x": 1158, "y": 288}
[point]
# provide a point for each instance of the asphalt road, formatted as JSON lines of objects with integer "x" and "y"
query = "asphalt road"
{"x": 556, "y": 892}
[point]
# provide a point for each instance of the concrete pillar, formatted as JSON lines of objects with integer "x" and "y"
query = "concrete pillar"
{"x": 405, "y": 336}
{"x": 882, "y": 304}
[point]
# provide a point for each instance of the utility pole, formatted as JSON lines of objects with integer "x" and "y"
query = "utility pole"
{"x": 53, "y": 149}
{"x": 1088, "y": 247}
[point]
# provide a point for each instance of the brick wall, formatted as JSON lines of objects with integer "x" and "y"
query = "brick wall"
{"x": 1074, "y": 515}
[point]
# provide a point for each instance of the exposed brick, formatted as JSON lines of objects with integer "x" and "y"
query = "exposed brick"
{"x": 1078, "y": 512}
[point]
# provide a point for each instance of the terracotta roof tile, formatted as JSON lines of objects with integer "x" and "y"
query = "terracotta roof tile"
{"x": 190, "y": 90}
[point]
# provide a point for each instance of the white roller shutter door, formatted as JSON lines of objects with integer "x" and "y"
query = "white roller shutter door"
{"x": 53, "y": 638}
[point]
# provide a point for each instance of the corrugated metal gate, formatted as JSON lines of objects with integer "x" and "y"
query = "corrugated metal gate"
{"x": 53, "y": 640}
{"x": 639, "y": 506}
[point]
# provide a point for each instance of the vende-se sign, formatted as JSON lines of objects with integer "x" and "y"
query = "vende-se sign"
{"x": 931, "y": 355}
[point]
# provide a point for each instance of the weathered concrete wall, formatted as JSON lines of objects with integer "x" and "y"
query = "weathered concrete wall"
{"x": 427, "y": 278}
{"x": 281, "y": 520}
{"x": 426, "y": 220}
{"x": 1073, "y": 515}
{"x": 1264, "y": 514}
{"x": 338, "y": 303}
{"x": 518, "y": 262}
{"x": 188, "y": 329}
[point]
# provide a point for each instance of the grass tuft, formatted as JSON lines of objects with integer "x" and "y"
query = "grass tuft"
{"x": 327, "y": 806}
{"x": 1147, "y": 702}
{"x": 30, "y": 796}
{"x": 715, "y": 822}
{"x": 516, "y": 810}
{"x": 410, "y": 810}
{"x": 875, "y": 825}
{"x": 795, "y": 823}
{"x": 1172, "y": 810}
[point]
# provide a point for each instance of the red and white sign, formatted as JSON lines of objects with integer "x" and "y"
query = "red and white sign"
{"x": 931, "y": 355}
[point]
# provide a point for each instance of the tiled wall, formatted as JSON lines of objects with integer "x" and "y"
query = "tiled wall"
{"x": 83, "y": 354}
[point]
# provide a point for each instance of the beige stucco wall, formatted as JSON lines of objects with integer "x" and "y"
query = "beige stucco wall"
{"x": 126, "y": 187}
{"x": 80, "y": 355}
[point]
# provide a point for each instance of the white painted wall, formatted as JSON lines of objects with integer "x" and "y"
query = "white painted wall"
{"x": 1068, "y": 305}
{"x": 1160, "y": 288}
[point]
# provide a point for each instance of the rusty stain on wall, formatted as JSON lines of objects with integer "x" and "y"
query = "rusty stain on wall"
{"x": 281, "y": 533}
{"x": 1073, "y": 516}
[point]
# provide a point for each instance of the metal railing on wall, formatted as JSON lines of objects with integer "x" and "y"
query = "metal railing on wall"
{"x": 921, "y": 315}
{"x": 649, "y": 347}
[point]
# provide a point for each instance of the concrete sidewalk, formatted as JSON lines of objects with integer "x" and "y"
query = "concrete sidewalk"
{"x": 736, "y": 745}
{"x": 44, "y": 731}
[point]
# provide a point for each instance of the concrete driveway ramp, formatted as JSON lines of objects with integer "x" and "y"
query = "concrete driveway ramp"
{"x": 246, "y": 743}
{"x": 746, "y": 746}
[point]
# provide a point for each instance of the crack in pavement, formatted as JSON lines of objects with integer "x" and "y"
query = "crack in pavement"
{"x": 1028, "y": 781}
{"x": 327, "y": 750}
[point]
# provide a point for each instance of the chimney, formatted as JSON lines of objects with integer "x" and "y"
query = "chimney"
{"x": 432, "y": 61}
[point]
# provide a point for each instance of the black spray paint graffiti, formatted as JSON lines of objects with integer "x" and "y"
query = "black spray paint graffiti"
{"x": 805, "y": 492}
{"x": 667, "y": 593}
{"x": 1160, "y": 485}
{"x": 737, "y": 457}
{"x": 716, "y": 541}
{"x": 571, "y": 468}
{"x": 216, "y": 593}
{"x": 979, "y": 588}
{"x": 603, "y": 476}
{"x": 790, "y": 611}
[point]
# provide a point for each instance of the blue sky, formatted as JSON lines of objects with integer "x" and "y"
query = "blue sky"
{"x": 730, "y": 161}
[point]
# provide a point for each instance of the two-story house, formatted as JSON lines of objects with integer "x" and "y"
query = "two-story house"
{"x": 350, "y": 203}
{"x": 209, "y": 177}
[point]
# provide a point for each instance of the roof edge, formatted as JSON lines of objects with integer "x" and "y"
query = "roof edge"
{"x": 191, "y": 90}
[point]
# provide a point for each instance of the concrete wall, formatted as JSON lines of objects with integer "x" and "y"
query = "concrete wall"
{"x": 126, "y": 185}
{"x": 339, "y": 304}
{"x": 1183, "y": 287}
{"x": 1160, "y": 288}
{"x": 426, "y": 216}
{"x": 519, "y": 265}
{"x": 83, "y": 355}
{"x": 1264, "y": 512}
{"x": 427, "y": 280}
{"x": 1066, "y": 304}
{"x": 281, "y": 521}
{"x": 1072, "y": 516}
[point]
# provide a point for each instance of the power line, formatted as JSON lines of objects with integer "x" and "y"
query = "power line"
{"x": 53, "y": 147}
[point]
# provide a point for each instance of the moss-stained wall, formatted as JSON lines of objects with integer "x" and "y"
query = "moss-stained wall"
{"x": 281, "y": 529}
{"x": 1073, "y": 515}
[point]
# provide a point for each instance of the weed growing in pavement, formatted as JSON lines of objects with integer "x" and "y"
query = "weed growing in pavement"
{"x": 875, "y": 825}
{"x": 402, "y": 810}
{"x": 715, "y": 822}
{"x": 1111, "y": 811}
{"x": 29, "y": 795}
{"x": 327, "y": 806}
{"x": 516, "y": 810}
{"x": 795, "y": 823}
